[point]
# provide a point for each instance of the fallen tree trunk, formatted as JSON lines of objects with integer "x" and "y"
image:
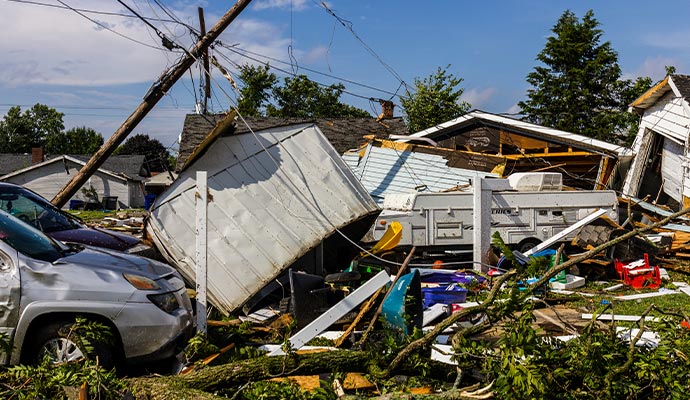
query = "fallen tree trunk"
{"x": 225, "y": 377}
{"x": 220, "y": 377}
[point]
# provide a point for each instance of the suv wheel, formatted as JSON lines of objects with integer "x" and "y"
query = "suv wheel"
{"x": 61, "y": 344}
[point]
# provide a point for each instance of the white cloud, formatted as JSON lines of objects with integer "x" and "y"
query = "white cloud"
{"x": 60, "y": 47}
{"x": 315, "y": 54}
{"x": 478, "y": 97}
{"x": 668, "y": 40}
{"x": 654, "y": 67}
{"x": 296, "y": 5}
{"x": 513, "y": 110}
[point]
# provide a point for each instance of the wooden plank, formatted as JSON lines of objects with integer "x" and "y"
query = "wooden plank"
{"x": 614, "y": 317}
{"x": 357, "y": 381}
{"x": 646, "y": 295}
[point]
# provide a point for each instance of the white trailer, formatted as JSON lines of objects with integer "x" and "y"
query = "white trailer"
{"x": 523, "y": 218}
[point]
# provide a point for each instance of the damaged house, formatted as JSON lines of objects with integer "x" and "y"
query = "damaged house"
{"x": 661, "y": 171}
{"x": 484, "y": 144}
{"x": 120, "y": 180}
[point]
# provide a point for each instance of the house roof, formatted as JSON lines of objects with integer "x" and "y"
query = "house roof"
{"x": 679, "y": 84}
{"x": 121, "y": 166}
{"x": 129, "y": 165}
{"x": 343, "y": 134}
{"x": 12, "y": 162}
{"x": 449, "y": 129}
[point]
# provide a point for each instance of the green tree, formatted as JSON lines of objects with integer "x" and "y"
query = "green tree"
{"x": 157, "y": 156}
{"x": 19, "y": 132}
{"x": 436, "y": 99}
{"x": 300, "y": 97}
{"x": 81, "y": 140}
{"x": 578, "y": 87}
{"x": 256, "y": 92}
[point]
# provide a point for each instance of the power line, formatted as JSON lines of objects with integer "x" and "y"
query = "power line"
{"x": 296, "y": 75}
{"x": 167, "y": 43}
{"x": 241, "y": 52}
{"x": 106, "y": 27}
{"x": 87, "y": 11}
{"x": 348, "y": 25}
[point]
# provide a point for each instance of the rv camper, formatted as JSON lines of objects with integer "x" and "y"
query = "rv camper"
{"x": 533, "y": 208}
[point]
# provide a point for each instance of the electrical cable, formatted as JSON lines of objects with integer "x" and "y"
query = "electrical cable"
{"x": 242, "y": 52}
{"x": 86, "y": 11}
{"x": 349, "y": 26}
{"x": 167, "y": 43}
{"x": 107, "y": 27}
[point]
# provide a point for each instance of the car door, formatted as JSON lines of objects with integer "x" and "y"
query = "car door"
{"x": 9, "y": 298}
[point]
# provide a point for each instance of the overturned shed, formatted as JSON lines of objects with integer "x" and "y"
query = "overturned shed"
{"x": 520, "y": 146}
{"x": 277, "y": 194}
{"x": 661, "y": 169}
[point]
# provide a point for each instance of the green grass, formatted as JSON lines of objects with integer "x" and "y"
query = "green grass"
{"x": 92, "y": 215}
{"x": 670, "y": 303}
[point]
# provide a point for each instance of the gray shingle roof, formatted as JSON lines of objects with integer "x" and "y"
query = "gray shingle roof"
{"x": 344, "y": 134}
{"x": 13, "y": 162}
{"x": 682, "y": 82}
{"x": 129, "y": 165}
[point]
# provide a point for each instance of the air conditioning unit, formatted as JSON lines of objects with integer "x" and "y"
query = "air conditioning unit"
{"x": 536, "y": 181}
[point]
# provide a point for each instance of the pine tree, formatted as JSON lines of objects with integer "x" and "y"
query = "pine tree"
{"x": 578, "y": 87}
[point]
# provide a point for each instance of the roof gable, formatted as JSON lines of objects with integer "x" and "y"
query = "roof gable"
{"x": 483, "y": 119}
{"x": 81, "y": 160}
{"x": 679, "y": 84}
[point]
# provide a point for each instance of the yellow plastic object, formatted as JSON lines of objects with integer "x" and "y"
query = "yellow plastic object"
{"x": 389, "y": 240}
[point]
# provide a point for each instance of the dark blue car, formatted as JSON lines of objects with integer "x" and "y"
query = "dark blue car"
{"x": 39, "y": 212}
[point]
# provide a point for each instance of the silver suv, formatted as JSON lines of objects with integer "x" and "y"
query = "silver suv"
{"x": 46, "y": 284}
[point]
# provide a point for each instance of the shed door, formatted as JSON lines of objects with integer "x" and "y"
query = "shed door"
{"x": 671, "y": 168}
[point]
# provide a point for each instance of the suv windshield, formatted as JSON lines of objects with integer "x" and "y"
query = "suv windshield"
{"x": 34, "y": 210}
{"x": 28, "y": 240}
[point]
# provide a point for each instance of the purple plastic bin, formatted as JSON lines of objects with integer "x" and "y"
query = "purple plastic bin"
{"x": 443, "y": 295}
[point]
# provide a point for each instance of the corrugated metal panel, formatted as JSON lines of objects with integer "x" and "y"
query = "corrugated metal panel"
{"x": 383, "y": 171}
{"x": 269, "y": 208}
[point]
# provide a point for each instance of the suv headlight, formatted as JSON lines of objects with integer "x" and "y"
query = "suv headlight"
{"x": 141, "y": 282}
{"x": 165, "y": 301}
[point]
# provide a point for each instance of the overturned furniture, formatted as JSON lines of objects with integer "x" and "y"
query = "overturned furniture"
{"x": 278, "y": 197}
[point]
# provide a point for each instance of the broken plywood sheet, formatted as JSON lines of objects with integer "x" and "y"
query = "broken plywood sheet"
{"x": 275, "y": 195}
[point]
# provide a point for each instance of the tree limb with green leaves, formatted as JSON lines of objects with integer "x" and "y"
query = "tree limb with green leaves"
{"x": 435, "y": 99}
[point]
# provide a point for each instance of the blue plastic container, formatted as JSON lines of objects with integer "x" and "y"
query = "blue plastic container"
{"x": 148, "y": 200}
{"x": 76, "y": 204}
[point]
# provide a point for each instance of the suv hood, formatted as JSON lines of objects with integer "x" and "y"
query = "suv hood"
{"x": 94, "y": 257}
{"x": 96, "y": 237}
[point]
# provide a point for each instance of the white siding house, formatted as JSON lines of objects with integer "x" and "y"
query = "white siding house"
{"x": 660, "y": 169}
{"x": 49, "y": 177}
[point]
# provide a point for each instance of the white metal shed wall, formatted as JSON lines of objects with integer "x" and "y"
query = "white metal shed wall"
{"x": 274, "y": 199}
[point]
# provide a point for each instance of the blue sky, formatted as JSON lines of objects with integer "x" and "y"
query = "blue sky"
{"x": 96, "y": 77}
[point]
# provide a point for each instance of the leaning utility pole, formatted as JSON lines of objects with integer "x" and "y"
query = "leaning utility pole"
{"x": 155, "y": 94}
{"x": 206, "y": 66}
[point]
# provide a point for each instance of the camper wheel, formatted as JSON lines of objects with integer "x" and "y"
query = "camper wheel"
{"x": 526, "y": 244}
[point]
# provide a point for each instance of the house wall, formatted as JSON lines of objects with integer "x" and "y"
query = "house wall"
{"x": 49, "y": 179}
{"x": 136, "y": 194}
{"x": 668, "y": 118}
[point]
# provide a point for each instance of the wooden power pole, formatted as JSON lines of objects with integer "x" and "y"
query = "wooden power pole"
{"x": 206, "y": 66}
{"x": 155, "y": 94}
